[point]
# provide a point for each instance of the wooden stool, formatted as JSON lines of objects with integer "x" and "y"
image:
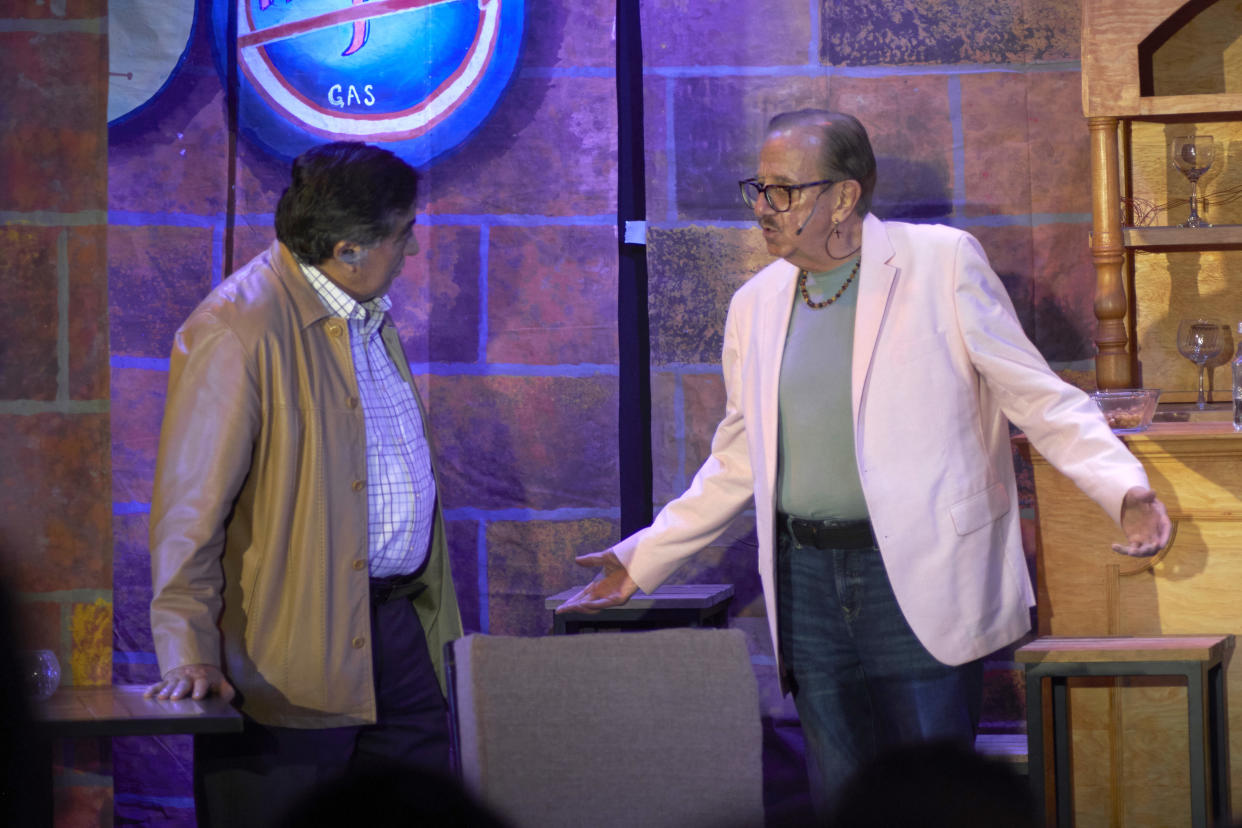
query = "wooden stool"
{"x": 1197, "y": 657}
{"x": 671, "y": 605}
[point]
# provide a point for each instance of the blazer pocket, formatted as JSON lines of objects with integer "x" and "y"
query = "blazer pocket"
{"x": 980, "y": 509}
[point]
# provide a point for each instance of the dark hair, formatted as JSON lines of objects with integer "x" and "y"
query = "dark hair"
{"x": 343, "y": 191}
{"x": 847, "y": 149}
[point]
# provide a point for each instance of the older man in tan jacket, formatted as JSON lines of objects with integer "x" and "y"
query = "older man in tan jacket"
{"x": 298, "y": 552}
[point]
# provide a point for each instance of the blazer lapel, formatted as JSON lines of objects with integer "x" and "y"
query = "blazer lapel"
{"x": 875, "y": 283}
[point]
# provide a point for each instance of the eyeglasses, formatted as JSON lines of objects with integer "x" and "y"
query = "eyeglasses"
{"x": 779, "y": 196}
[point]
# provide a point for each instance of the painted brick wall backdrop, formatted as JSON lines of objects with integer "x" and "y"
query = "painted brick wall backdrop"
{"x": 509, "y": 314}
{"x": 55, "y": 498}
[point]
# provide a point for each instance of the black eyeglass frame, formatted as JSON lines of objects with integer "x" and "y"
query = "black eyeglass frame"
{"x": 764, "y": 188}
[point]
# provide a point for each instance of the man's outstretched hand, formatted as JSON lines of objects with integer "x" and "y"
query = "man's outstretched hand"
{"x": 612, "y": 585}
{"x": 1145, "y": 522}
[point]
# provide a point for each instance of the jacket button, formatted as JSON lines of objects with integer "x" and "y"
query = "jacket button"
{"x": 359, "y": 643}
{"x": 360, "y": 565}
{"x": 359, "y": 485}
{"x": 334, "y": 328}
{"x": 351, "y": 402}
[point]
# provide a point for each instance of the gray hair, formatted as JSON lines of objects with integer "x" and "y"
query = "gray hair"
{"x": 846, "y": 148}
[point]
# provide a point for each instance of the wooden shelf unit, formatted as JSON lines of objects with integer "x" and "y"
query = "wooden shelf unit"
{"x": 1114, "y": 36}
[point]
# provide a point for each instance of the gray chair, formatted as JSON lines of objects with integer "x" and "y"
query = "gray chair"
{"x": 614, "y": 729}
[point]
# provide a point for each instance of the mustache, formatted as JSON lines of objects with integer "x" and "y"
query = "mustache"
{"x": 767, "y": 224}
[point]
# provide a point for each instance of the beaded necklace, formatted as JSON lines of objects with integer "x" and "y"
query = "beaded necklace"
{"x": 806, "y": 297}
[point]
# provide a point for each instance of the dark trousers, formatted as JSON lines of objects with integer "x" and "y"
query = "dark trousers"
{"x": 252, "y": 778}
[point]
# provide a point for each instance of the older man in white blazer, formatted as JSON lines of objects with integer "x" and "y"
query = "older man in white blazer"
{"x": 870, "y": 374}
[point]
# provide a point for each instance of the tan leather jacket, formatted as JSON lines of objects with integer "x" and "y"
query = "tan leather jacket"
{"x": 259, "y": 515}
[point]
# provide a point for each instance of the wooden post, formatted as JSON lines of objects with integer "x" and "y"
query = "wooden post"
{"x": 1112, "y": 363}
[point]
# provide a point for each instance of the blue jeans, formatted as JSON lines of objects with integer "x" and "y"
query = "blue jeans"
{"x": 862, "y": 682}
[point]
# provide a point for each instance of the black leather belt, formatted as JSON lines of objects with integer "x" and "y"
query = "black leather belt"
{"x": 384, "y": 590}
{"x": 828, "y": 534}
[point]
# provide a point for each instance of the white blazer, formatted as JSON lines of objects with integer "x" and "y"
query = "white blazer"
{"x": 940, "y": 362}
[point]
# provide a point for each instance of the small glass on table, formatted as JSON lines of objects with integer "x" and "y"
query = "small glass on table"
{"x": 1199, "y": 340}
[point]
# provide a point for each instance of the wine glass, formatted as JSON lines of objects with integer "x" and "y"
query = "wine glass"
{"x": 1199, "y": 340}
{"x": 1193, "y": 155}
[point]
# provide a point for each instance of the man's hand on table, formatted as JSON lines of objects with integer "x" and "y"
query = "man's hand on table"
{"x": 194, "y": 680}
{"x": 1145, "y": 522}
{"x": 612, "y": 585}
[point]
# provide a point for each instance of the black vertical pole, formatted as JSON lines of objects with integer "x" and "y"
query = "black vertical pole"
{"x": 634, "y": 438}
{"x": 232, "y": 91}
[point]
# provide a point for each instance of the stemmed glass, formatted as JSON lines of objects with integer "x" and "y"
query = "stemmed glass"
{"x": 1193, "y": 155}
{"x": 1199, "y": 341}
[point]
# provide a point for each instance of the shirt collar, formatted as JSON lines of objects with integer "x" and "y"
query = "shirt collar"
{"x": 341, "y": 303}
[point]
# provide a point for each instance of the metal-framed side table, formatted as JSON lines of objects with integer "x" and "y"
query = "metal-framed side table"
{"x": 671, "y": 605}
{"x": 118, "y": 710}
{"x": 1199, "y": 659}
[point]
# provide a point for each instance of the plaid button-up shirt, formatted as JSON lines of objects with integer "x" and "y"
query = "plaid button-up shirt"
{"x": 401, "y": 490}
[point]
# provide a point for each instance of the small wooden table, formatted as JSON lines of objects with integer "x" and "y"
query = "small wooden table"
{"x": 120, "y": 710}
{"x": 671, "y": 605}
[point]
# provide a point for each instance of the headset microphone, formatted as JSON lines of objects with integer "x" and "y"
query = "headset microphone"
{"x": 814, "y": 207}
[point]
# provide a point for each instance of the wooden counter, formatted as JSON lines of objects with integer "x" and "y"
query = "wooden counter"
{"x": 1130, "y": 742}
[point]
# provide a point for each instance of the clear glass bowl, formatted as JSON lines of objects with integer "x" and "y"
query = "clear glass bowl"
{"x": 40, "y": 673}
{"x": 1128, "y": 411}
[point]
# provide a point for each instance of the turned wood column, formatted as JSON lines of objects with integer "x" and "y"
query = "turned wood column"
{"x": 1112, "y": 362}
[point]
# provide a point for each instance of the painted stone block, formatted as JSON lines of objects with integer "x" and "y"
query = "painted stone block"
{"x": 39, "y": 625}
{"x": 436, "y": 298}
{"x": 730, "y": 559}
{"x": 28, "y": 342}
{"x": 56, "y": 516}
{"x": 138, "y": 398}
{"x": 996, "y": 147}
{"x": 1010, "y": 254}
{"x": 1065, "y": 323}
{"x": 693, "y": 273}
{"x": 565, "y": 33}
{"x": 261, "y": 178}
{"x": 719, "y": 124}
{"x": 156, "y": 276}
{"x": 90, "y": 632}
{"x": 172, "y": 156}
{"x": 667, "y": 438}
{"x": 42, "y": 10}
{"x": 909, "y": 122}
{"x": 88, "y": 316}
{"x": 542, "y": 442}
{"x": 862, "y": 33}
{"x": 53, "y": 153}
{"x": 1059, "y": 144}
{"x": 133, "y": 647}
{"x": 463, "y": 541}
{"x": 153, "y": 780}
{"x": 758, "y": 33}
{"x": 528, "y": 561}
{"x": 659, "y": 153}
{"x": 552, "y": 295}
{"x": 82, "y": 801}
{"x": 704, "y": 396}
{"x": 548, "y": 149}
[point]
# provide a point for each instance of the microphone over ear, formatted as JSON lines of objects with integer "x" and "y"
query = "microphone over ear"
{"x": 809, "y": 216}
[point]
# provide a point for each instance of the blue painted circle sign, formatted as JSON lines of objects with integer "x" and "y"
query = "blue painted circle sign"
{"x": 416, "y": 75}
